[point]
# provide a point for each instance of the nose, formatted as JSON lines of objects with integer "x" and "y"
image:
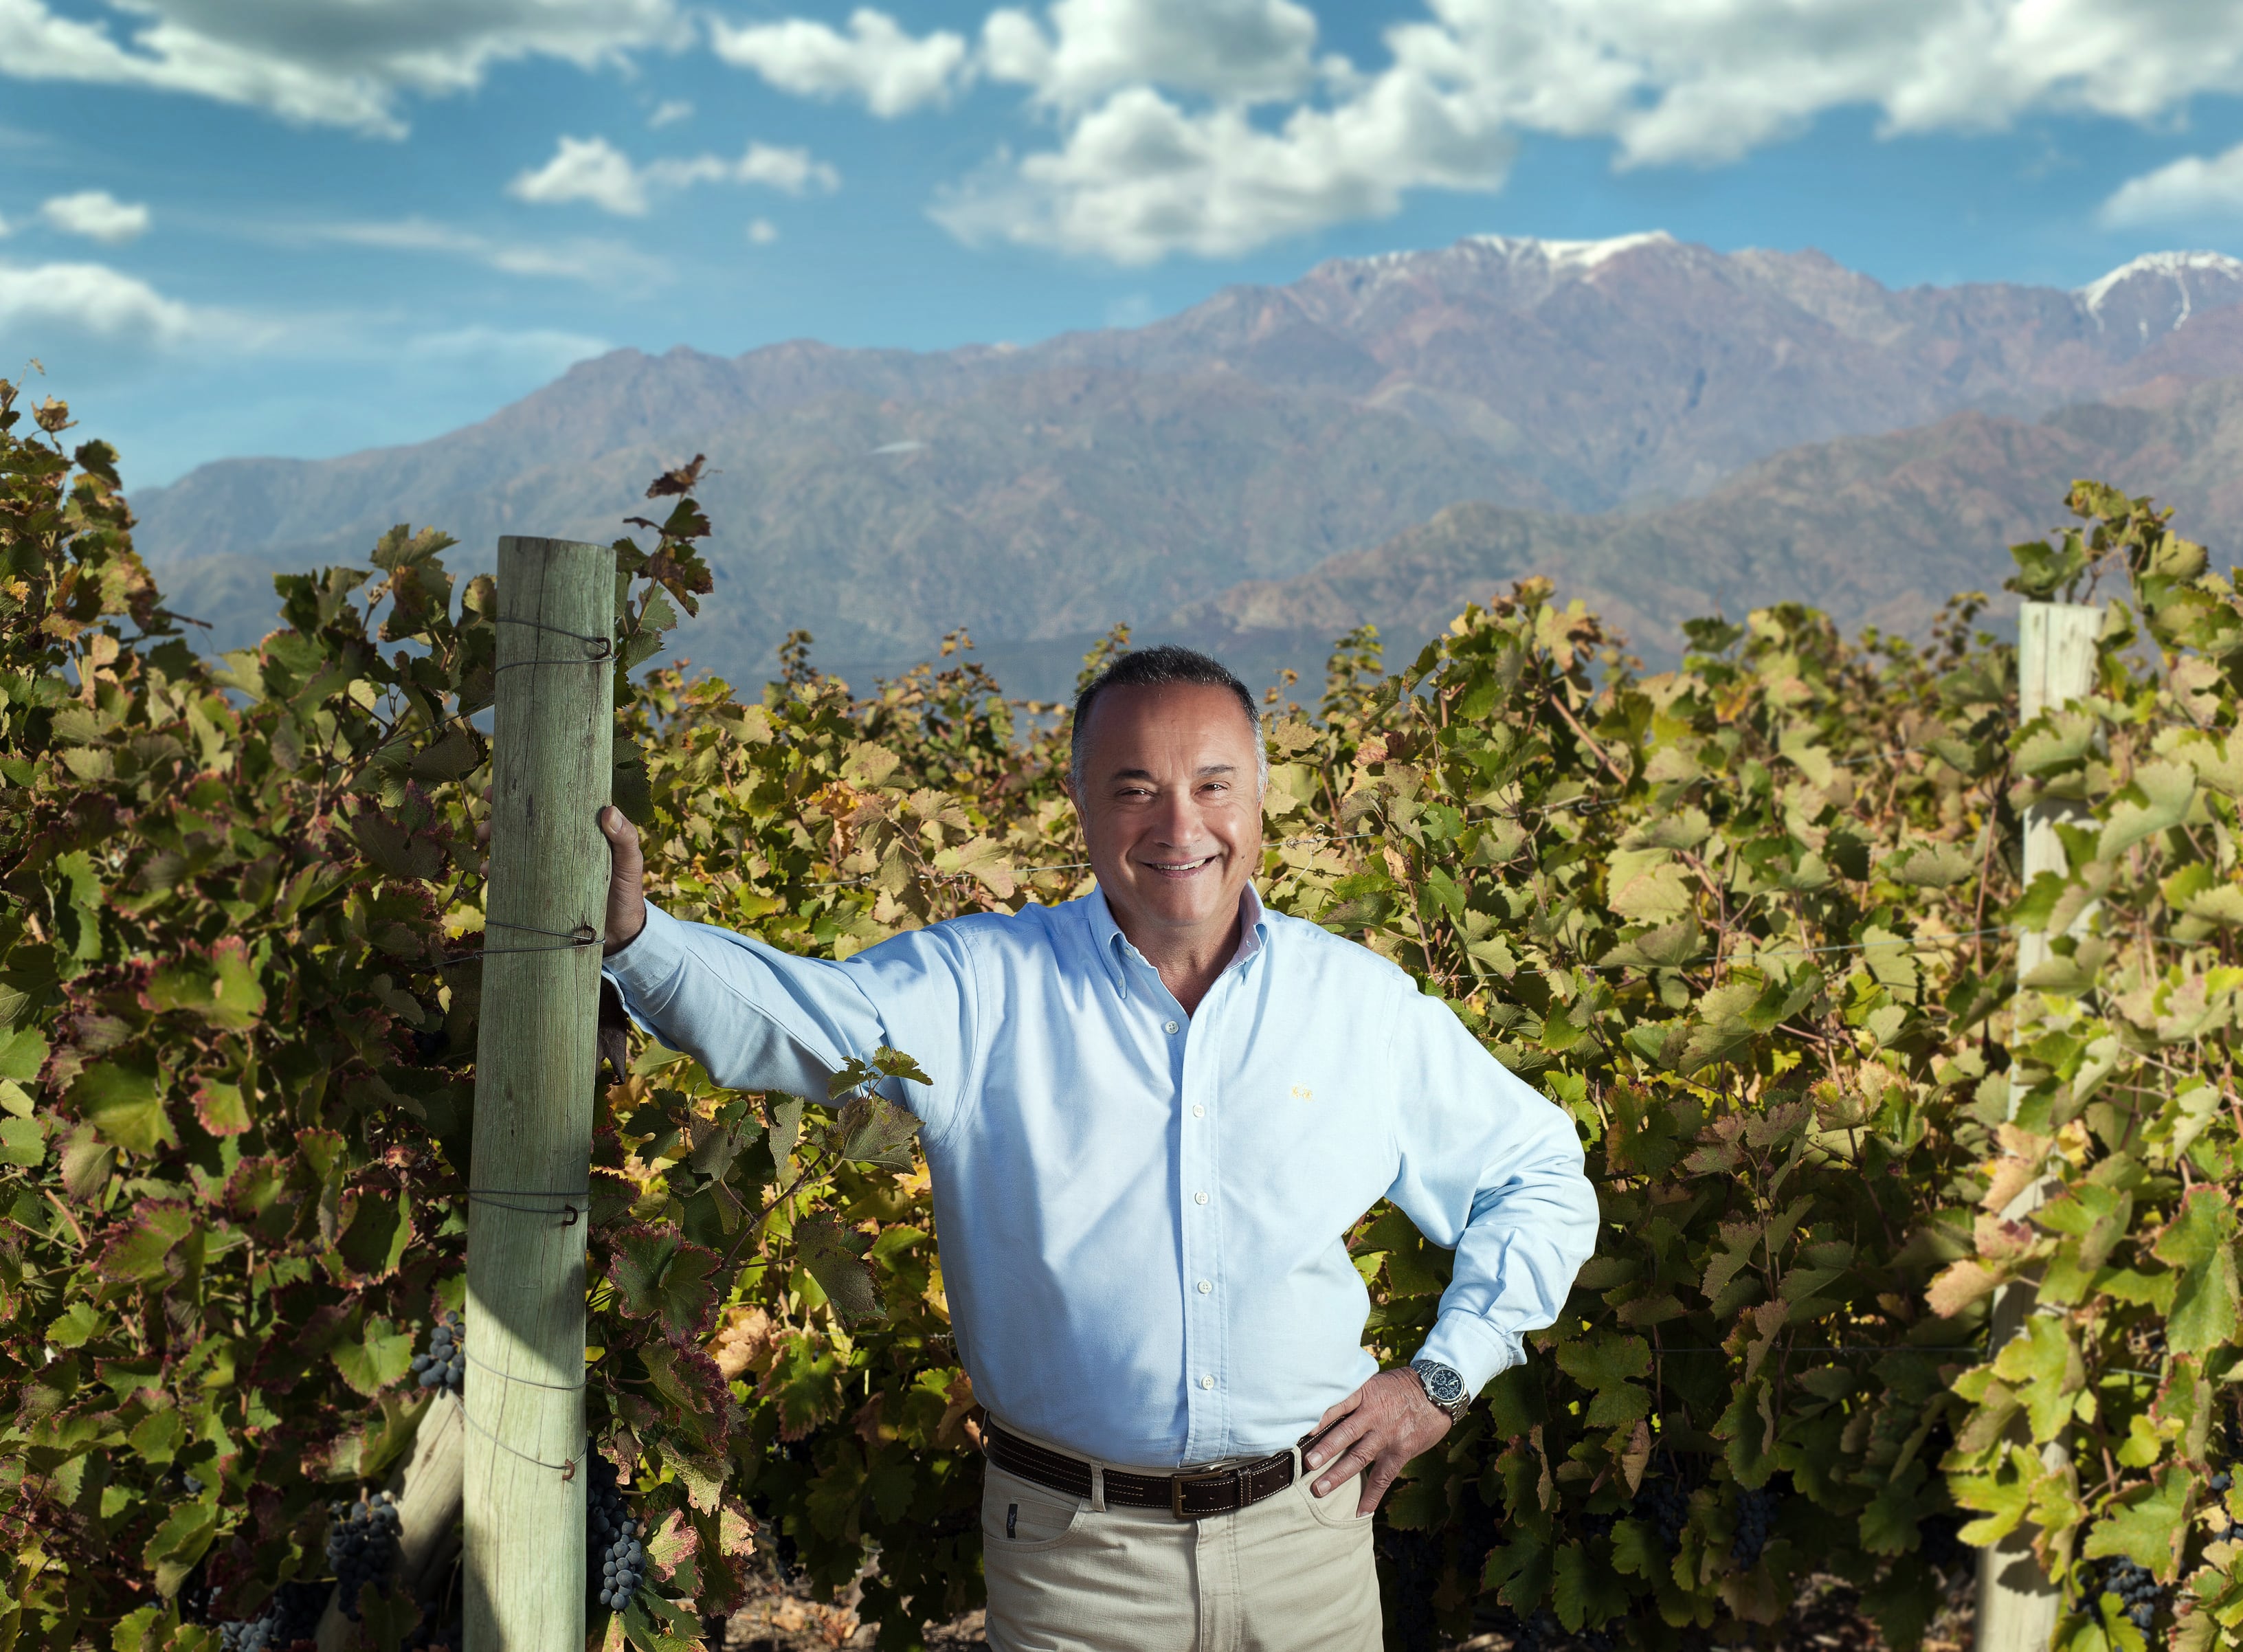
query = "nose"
{"x": 1176, "y": 822}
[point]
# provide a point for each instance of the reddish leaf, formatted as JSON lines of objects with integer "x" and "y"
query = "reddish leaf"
{"x": 658, "y": 1276}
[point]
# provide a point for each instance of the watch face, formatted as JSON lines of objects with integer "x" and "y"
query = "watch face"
{"x": 1443, "y": 1386}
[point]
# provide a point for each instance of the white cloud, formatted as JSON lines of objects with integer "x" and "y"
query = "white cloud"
{"x": 584, "y": 169}
{"x": 98, "y": 215}
{"x": 791, "y": 170}
{"x": 604, "y": 262}
{"x": 1689, "y": 81}
{"x": 762, "y": 231}
{"x": 2193, "y": 188}
{"x": 591, "y": 169}
{"x": 1242, "y": 48}
{"x": 1138, "y": 177}
{"x": 339, "y": 63}
{"x": 892, "y": 71}
{"x": 670, "y": 113}
{"x": 1211, "y": 126}
{"x": 95, "y": 298}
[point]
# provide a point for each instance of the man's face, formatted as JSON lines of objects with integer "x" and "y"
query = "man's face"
{"x": 1170, "y": 807}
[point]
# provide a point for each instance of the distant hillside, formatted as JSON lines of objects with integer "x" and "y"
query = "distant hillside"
{"x": 881, "y": 498}
{"x": 1031, "y": 507}
{"x": 1878, "y": 530}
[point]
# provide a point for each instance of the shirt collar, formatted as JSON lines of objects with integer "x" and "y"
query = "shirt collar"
{"x": 1115, "y": 950}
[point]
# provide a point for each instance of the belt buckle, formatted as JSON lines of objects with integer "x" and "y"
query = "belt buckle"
{"x": 1178, "y": 1482}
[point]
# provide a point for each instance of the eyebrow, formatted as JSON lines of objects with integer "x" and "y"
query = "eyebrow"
{"x": 1147, "y": 774}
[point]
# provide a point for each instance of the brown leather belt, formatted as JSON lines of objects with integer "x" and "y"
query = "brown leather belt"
{"x": 1187, "y": 1496}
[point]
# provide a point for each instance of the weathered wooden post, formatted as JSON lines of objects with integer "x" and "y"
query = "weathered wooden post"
{"x": 2017, "y": 1603}
{"x": 535, "y": 1070}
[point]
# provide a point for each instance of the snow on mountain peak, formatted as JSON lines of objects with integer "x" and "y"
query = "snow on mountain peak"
{"x": 1572, "y": 256}
{"x": 2177, "y": 266}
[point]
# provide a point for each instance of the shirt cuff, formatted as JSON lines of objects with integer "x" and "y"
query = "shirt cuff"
{"x": 650, "y": 957}
{"x": 1473, "y": 1348}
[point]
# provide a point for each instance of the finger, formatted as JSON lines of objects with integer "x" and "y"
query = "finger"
{"x": 1358, "y": 1456}
{"x": 616, "y": 826}
{"x": 1377, "y": 1482}
{"x": 1335, "y": 1438}
{"x": 627, "y": 861}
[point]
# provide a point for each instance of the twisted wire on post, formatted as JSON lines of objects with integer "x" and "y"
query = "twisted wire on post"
{"x": 566, "y": 1469}
{"x": 527, "y": 1382}
{"x": 573, "y": 1205}
{"x": 583, "y": 936}
{"x": 600, "y": 648}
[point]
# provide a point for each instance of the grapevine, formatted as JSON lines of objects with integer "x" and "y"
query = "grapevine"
{"x": 361, "y": 1546}
{"x": 443, "y": 1363}
{"x": 1756, "y": 1510}
{"x": 614, "y": 1546}
{"x": 291, "y": 1615}
{"x": 1752, "y": 922}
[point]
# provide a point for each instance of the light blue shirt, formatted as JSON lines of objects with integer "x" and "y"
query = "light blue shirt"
{"x": 1142, "y": 1215}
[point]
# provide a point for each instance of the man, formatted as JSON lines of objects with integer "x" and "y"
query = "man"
{"x": 1154, "y": 1114}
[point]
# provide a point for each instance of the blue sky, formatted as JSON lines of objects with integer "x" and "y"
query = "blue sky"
{"x": 305, "y": 227}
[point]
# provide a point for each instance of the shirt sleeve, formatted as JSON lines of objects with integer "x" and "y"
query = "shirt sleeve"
{"x": 758, "y": 1018}
{"x": 1493, "y": 1171}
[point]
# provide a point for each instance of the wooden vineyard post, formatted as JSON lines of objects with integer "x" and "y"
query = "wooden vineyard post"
{"x": 2017, "y": 1603}
{"x": 524, "y": 1476}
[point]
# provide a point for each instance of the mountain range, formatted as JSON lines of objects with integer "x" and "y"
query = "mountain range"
{"x": 1664, "y": 428}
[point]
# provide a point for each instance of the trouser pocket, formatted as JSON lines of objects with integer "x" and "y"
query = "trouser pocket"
{"x": 1020, "y": 1516}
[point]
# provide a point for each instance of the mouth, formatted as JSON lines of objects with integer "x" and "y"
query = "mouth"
{"x": 1178, "y": 868}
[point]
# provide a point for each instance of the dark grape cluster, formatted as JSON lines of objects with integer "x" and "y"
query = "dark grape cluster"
{"x": 1665, "y": 1505}
{"x": 615, "y": 1543}
{"x": 2139, "y": 1593}
{"x": 292, "y": 1614}
{"x": 2223, "y": 1524}
{"x": 361, "y": 1546}
{"x": 1756, "y": 1512}
{"x": 445, "y": 1364}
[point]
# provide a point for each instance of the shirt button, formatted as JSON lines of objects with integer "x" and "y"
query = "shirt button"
{"x": 1198, "y": 1111}
{"x": 1207, "y": 1382}
{"x": 1167, "y": 1026}
{"x": 1199, "y": 1198}
{"x": 1204, "y": 1287}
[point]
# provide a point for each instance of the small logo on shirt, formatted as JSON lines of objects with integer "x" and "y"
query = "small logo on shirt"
{"x": 1302, "y": 1093}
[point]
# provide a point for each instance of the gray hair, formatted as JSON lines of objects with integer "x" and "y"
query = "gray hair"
{"x": 1161, "y": 666}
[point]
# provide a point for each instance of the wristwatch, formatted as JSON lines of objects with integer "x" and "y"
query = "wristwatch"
{"x": 1443, "y": 1386}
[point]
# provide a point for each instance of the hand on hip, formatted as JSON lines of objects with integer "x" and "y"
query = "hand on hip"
{"x": 1376, "y": 1431}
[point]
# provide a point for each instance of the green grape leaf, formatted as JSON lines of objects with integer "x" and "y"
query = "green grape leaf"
{"x": 2200, "y": 1242}
{"x": 834, "y": 1256}
{"x": 123, "y": 1100}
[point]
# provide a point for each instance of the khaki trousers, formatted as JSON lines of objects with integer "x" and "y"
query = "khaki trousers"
{"x": 1292, "y": 1574}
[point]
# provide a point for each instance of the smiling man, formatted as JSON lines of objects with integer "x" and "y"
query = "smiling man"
{"x": 1154, "y": 1114}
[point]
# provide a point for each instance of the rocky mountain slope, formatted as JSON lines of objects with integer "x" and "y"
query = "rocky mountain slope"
{"x": 880, "y": 498}
{"x": 1874, "y": 529}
